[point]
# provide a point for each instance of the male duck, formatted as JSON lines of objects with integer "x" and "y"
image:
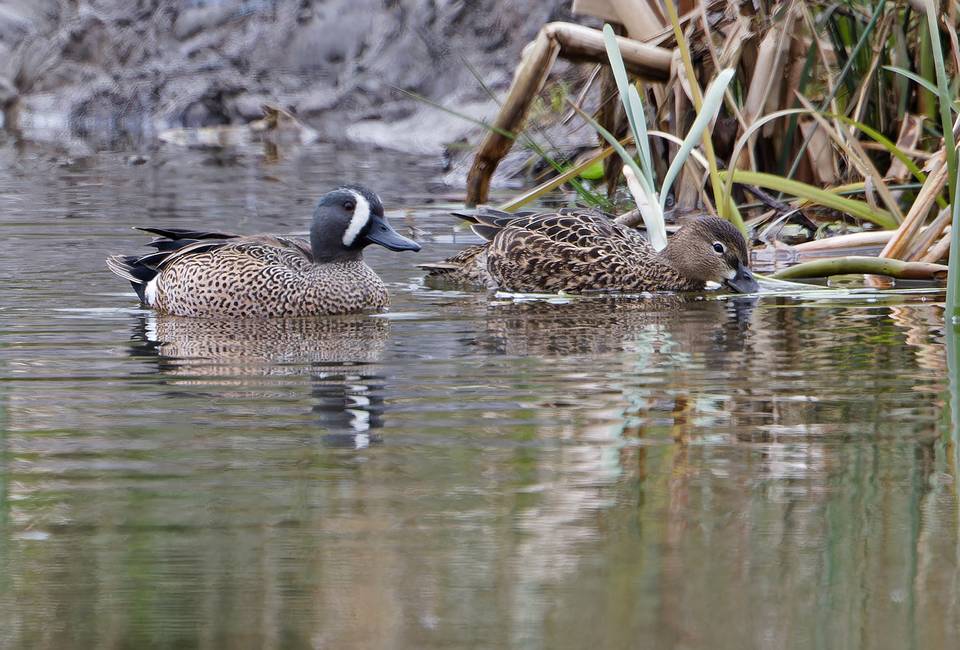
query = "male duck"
{"x": 582, "y": 250}
{"x": 196, "y": 273}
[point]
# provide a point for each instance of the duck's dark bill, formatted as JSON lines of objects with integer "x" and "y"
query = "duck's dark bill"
{"x": 382, "y": 233}
{"x": 743, "y": 281}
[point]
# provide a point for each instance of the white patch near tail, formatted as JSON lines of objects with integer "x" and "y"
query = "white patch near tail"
{"x": 150, "y": 292}
{"x": 361, "y": 215}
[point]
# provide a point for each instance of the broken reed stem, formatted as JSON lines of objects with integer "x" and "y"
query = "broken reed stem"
{"x": 537, "y": 61}
{"x": 897, "y": 246}
{"x": 938, "y": 251}
{"x": 841, "y": 242}
{"x": 574, "y": 42}
{"x": 929, "y": 235}
{"x": 579, "y": 43}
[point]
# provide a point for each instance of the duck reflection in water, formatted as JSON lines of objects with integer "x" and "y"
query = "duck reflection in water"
{"x": 264, "y": 362}
{"x": 603, "y": 323}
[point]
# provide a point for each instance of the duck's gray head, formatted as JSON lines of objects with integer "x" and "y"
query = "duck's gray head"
{"x": 347, "y": 220}
{"x": 710, "y": 249}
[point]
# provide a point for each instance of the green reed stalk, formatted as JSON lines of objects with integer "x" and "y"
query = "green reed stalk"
{"x": 945, "y": 99}
{"x": 953, "y": 388}
{"x": 952, "y": 315}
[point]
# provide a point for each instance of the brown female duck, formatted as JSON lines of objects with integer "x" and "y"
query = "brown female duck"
{"x": 579, "y": 250}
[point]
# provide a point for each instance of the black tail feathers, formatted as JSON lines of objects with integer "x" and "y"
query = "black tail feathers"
{"x": 133, "y": 269}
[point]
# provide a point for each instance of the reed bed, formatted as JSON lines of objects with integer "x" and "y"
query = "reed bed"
{"x": 839, "y": 117}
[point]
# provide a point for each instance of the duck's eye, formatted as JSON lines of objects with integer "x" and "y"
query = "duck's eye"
{"x": 720, "y": 248}
{"x": 349, "y": 205}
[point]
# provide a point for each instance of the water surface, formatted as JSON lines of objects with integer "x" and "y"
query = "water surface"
{"x": 466, "y": 472}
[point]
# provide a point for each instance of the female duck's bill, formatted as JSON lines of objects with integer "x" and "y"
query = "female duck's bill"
{"x": 743, "y": 280}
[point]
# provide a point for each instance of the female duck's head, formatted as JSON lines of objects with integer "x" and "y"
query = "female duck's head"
{"x": 710, "y": 249}
{"x": 347, "y": 220}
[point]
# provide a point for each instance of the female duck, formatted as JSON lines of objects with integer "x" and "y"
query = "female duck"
{"x": 582, "y": 250}
{"x": 195, "y": 273}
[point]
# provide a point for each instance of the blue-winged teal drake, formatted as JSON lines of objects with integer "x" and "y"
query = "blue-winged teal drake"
{"x": 579, "y": 250}
{"x": 197, "y": 273}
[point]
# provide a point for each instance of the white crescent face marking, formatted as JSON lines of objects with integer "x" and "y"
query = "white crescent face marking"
{"x": 361, "y": 215}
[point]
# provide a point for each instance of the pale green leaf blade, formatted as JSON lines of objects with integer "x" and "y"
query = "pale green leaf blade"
{"x": 944, "y": 96}
{"x": 619, "y": 71}
{"x": 712, "y": 100}
{"x": 635, "y": 117}
{"x": 641, "y": 136}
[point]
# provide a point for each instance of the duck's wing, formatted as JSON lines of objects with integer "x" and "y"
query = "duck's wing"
{"x": 573, "y": 227}
{"x": 175, "y": 244}
{"x": 571, "y": 250}
{"x": 469, "y": 265}
{"x": 486, "y": 222}
{"x": 177, "y": 234}
{"x": 140, "y": 270}
{"x": 579, "y": 226}
{"x": 255, "y": 246}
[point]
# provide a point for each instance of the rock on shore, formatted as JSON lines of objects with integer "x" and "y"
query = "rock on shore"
{"x": 140, "y": 66}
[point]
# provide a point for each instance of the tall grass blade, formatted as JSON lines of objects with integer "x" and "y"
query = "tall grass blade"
{"x": 953, "y": 373}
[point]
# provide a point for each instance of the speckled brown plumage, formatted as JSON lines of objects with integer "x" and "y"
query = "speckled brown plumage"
{"x": 265, "y": 277}
{"x": 261, "y": 276}
{"x": 578, "y": 250}
{"x": 196, "y": 273}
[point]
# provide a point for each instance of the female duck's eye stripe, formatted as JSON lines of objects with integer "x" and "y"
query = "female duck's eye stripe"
{"x": 361, "y": 215}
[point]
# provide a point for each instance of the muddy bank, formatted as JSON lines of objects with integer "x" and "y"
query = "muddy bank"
{"x": 93, "y": 66}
